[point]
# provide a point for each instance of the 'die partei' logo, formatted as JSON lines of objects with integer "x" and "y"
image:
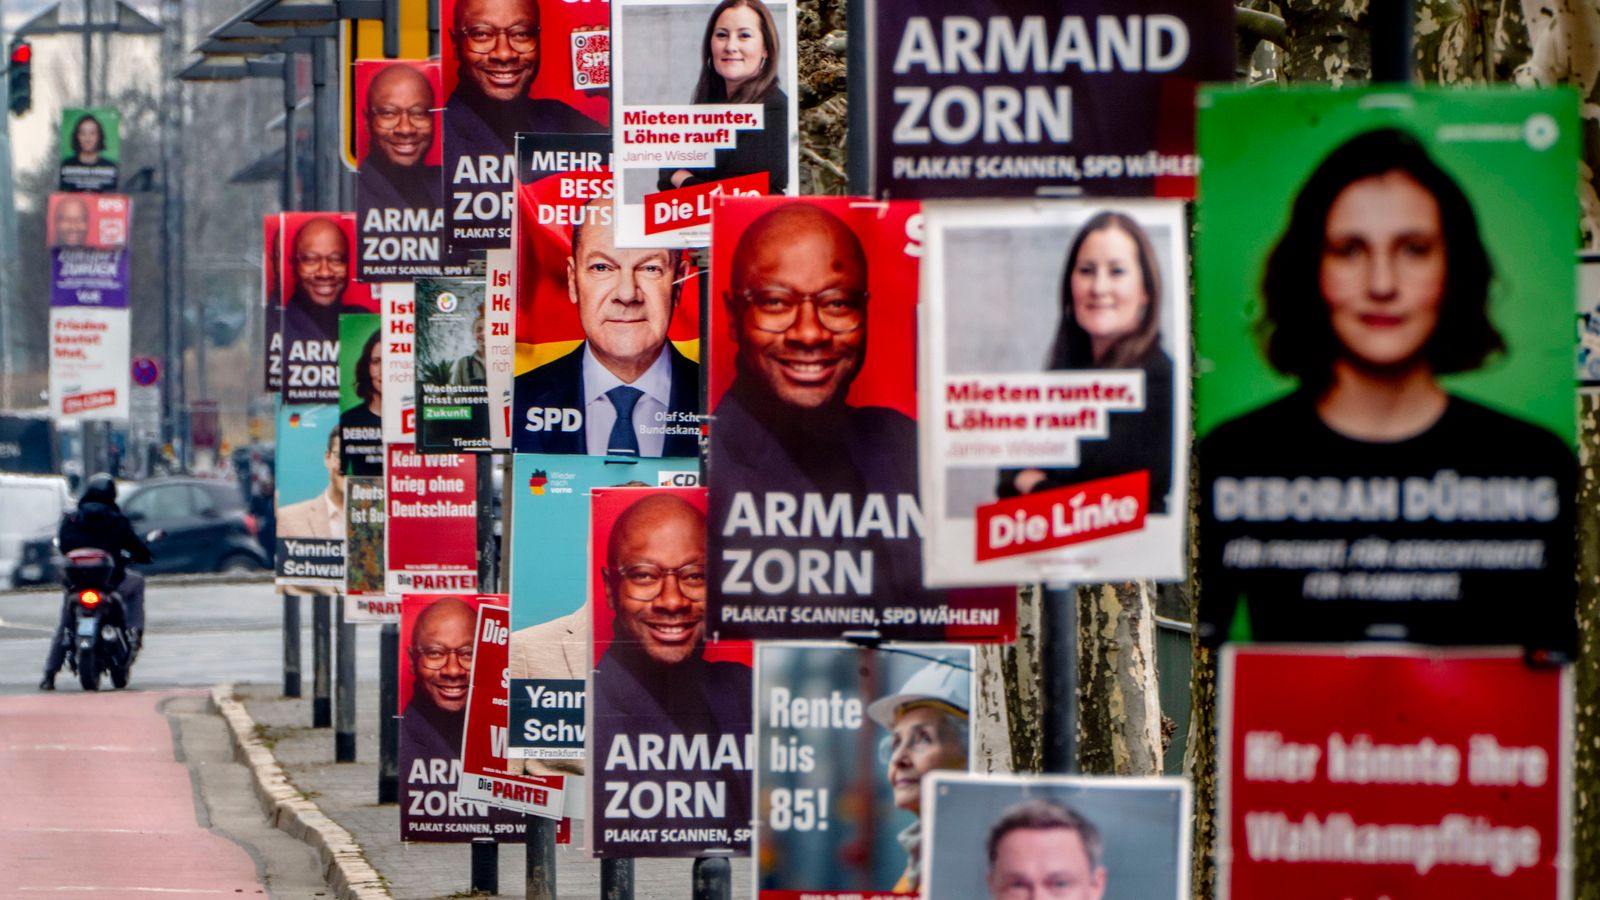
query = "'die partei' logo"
{"x": 446, "y": 302}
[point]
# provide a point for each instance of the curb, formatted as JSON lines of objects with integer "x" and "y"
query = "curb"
{"x": 344, "y": 866}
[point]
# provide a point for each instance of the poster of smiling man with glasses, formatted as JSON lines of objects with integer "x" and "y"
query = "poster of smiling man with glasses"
{"x": 816, "y": 528}
{"x": 400, "y": 183}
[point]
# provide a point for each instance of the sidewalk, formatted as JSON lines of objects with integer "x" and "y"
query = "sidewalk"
{"x": 347, "y": 794}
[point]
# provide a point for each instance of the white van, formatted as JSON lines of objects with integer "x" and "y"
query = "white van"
{"x": 30, "y": 505}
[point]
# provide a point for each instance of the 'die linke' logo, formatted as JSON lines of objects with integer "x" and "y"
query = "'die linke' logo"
{"x": 1000, "y": 45}
{"x": 831, "y": 517}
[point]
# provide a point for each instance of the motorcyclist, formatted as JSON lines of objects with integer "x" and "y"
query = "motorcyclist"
{"x": 98, "y": 522}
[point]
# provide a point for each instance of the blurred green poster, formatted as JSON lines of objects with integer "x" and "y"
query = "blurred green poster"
{"x": 361, "y": 393}
{"x": 1383, "y": 321}
{"x": 90, "y": 147}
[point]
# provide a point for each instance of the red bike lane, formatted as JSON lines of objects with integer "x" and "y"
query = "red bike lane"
{"x": 93, "y": 802}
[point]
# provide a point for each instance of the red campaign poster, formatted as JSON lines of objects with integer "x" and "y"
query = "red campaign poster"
{"x": 484, "y": 777}
{"x": 566, "y": 65}
{"x": 431, "y": 526}
{"x": 438, "y": 641}
{"x": 816, "y": 522}
{"x": 317, "y": 277}
{"x": 1400, "y": 773}
{"x": 569, "y": 307}
{"x": 272, "y": 301}
{"x": 399, "y": 173}
{"x": 657, "y": 683}
{"x": 96, "y": 221}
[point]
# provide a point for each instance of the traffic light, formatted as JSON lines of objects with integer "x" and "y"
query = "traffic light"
{"x": 19, "y": 77}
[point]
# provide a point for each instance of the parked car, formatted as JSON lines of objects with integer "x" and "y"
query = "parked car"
{"x": 33, "y": 505}
{"x": 191, "y": 525}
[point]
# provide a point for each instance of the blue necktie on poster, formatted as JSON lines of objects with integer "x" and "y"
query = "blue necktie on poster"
{"x": 623, "y": 441}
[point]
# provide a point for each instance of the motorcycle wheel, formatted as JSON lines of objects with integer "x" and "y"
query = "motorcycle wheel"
{"x": 88, "y": 669}
{"x": 119, "y": 674}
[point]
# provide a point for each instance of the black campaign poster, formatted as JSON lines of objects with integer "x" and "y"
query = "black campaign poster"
{"x": 1001, "y": 98}
{"x": 816, "y": 523}
{"x": 671, "y": 741}
{"x": 517, "y": 67}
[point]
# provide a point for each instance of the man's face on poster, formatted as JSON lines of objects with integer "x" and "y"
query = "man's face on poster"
{"x": 656, "y": 582}
{"x": 400, "y": 115}
{"x": 798, "y": 306}
{"x": 497, "y": 45}
{"x": 624, "y": 299}
{"x": 441, "y": 653}
{"x": 1044, "y": 864}
{"x": 331, "y": 462}
{"x": 322, "y": 261}
{"x": 71, "y": 222}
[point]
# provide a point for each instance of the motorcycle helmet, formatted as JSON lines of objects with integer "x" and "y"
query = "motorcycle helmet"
{"x": 101, "y": 488}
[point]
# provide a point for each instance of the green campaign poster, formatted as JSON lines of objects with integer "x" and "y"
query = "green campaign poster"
{"x": 452, "y": 380}
{"x": 90, "y": 147}
{"x": 1384, "y": 286}
{"x": 361, "y": 393}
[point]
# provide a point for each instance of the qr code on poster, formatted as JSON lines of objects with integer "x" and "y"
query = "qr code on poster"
{"x": 591, "y": 59}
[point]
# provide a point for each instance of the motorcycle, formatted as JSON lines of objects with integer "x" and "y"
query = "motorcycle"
{"x": 100, "y": 642}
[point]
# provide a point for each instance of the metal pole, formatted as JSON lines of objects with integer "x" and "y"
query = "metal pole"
{"x": 88, "y": 53}
{"x": 856, "y": 123}
{"x": 616, "y": 879}
{"x": 321, "y": 649}
{"x": 291, "y": 645}
{"x": 1059, "y": 610}
{"x": 8, "y": 245}
{"x": 325, "y": 80}
{"x": 541, "y": 859}
{"x": 1393, "y": 23}
{"x": 388, "y": 713}
{"x": 344, "y": 733}
{"x": 713, "y": 878}
{"x": 172, "y": 105}
{"x": 485, "y": 865}
{"x": 291, "y": 96}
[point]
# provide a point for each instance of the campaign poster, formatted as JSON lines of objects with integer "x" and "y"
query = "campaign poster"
{"x": 499, "y": 341}
{"x": 399, "y": 363}
{"x": 361, "y": 393}
{"x": 549, "y": 495}
{"x": 399, "y": 170}
{"x": 451, "y": 378}
{"x": 1588, "y": 368}
{"x": 318, "y": 282}
{"x": 272, "y": 302}
{"x": 1392, "y": 772}
{"x": 310, "y": 499}
{"x": 90, "y": 146}
{"x": 700, "y": 116}
{"x": 816, "y": 524}
{"x": 1030, "y": 835}
{"x": 520, "y": 66}
{"x": 364, "y": 597}
{"x": 1056, "y": 452}
{"x": 485, "y": 777}
{"x": 438, "y": 640}
{"x": 671, "y": 741}
{"x": 1000, "y": 99}
{"x": 87, "y": 221}
{"x": 845, "y": 737}
{"x": 431, "y": 530}
{"x": 89, "y": 363}
{"x": 1396, "y": 309}
{"x": 608, "y": 339}
{"x": 28, "y": 445}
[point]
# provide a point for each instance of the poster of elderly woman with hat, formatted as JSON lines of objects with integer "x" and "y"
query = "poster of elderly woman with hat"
{"x": 845, "y": 736}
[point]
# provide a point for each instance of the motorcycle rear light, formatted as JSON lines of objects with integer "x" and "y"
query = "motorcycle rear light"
{"x": 251, "y": 525}
{"x": 89, "y": 598}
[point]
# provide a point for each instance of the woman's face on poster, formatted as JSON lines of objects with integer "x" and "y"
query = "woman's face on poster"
{"x": 1109, "y": 298}
{"x": 738, "y": 50}
{"x": 87, "y": 136}
{"x": 375, "y": 368}
{"x": 919, "y": 743}
{"x": 1384, "y": 268}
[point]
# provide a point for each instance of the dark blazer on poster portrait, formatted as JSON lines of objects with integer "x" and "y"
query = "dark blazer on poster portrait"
{"x": 1135, "y": 440}
{"x": 766, "y": 150}
{"x": 559, "y": 384}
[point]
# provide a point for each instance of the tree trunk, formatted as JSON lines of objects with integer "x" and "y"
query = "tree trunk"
{"x": 1586, "y": 677}
{"x": 1119, "y": 706}
{"x": 1007, "y": 728}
